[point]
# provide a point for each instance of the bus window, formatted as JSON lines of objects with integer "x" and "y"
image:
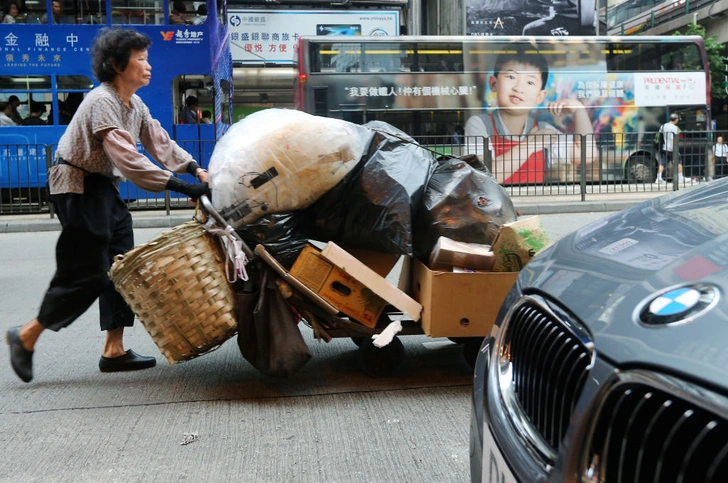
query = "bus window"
{"x": 71, "y": 91}
{"x": 26, "y": 89}
{"x": 137, "y": 12}
{"x": 225, "y": 97}
{"x": 90, "y": 12}
{"x": 60, "y": 12}
{"x": 439, "y": 57}
{"x": 384, "y": 57}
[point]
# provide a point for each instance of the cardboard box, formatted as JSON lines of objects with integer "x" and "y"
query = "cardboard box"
{"x": 448, "y": 254}
{"x": 377, "y": 284}
{"x": 517, "y": 243}
{"x": 339, "y": 288}
{"x": 381, "y": 263}
{"x": 459, "y": 304}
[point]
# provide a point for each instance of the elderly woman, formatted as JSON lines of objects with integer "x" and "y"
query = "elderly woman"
{"x": 97, "y": 151}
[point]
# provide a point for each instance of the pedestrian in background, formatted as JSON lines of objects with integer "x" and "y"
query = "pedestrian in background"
{"x": 96, "y": 152}
{"x": 668, "y": 132}
{"x": 57, "y": 13}
{"x": 720, "y": 151}
{"x": 5, "y": 111}
{"x": 14, "y": 102}
{"x": 12, "y": 12}
{"x": 37, "y": 109}
{"x": 189, "y": 112}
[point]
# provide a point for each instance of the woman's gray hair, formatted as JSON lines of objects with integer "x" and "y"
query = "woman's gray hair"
{"x": 111, "y": 51}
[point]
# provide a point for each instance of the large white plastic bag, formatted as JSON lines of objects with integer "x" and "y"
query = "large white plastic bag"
{"x": 280, "y": 160}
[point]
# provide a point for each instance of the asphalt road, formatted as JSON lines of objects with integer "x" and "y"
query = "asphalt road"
{"x": 329, "y": 423}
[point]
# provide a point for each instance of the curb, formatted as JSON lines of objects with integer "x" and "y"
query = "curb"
{"x": 9, "y": 224}
{"x": 26, "y": 225}
{"x": 580, "y": 207}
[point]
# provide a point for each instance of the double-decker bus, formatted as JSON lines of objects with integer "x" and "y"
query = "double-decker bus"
{"x": 46, "y": 62}
{"x": 431, "y": 87}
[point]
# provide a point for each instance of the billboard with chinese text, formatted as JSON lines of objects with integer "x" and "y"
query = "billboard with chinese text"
{"x": 271, "y": 36}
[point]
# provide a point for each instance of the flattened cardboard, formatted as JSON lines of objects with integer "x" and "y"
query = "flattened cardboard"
{"x": 379, "y": 285}
{"x": 338, "y": 287}
{"x": 459, "y": 304}
{"x": 517, "y": 243}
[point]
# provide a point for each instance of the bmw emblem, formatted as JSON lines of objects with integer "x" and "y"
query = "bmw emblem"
{"x": 680, "y": 304}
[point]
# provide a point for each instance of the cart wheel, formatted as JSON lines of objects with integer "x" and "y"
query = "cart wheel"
{"x": 380, "y": 362}
{"x": 358, "y": 340}
{"x": 471, "y": 347}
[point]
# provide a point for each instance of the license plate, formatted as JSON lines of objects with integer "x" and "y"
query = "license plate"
{"x": 495, "y": 468}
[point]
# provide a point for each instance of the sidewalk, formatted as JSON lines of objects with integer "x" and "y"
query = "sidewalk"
{"x": 527, "y": 205}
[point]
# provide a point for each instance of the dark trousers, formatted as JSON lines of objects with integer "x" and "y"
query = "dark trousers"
{"x": 96, "y": 226}
{"x": 721, "y": 169}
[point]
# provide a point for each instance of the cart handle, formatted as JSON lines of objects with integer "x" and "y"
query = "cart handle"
{"x": 207, "y": 206}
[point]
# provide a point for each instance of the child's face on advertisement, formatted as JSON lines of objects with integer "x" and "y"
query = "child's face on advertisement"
{"x": 517, "y": 87}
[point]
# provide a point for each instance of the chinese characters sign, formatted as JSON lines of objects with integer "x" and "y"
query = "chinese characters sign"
{"x": 669, "y": 88}
{"x": 258, "y": 36}
{"x": 20, "y": 49}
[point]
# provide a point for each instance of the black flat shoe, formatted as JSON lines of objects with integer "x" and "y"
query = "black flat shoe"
{"x": 20, "y": 358}
{"x": 131, "y": 361}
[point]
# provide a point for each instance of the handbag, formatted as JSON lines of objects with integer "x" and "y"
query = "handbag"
{"x": 268, "y": 333}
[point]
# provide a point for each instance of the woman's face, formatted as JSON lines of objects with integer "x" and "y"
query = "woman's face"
{"x": 13, "y": 10}
{"x": 138, "y": 72}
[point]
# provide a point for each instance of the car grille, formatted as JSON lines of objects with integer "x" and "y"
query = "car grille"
{"x": 548, "y": 359}
{"x": 648, "y": 434}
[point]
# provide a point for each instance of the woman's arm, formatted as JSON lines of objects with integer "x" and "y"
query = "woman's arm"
{"x": 162, "y": 148}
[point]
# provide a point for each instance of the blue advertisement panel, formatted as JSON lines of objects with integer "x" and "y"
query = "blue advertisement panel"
{"x": 62, "y": 49}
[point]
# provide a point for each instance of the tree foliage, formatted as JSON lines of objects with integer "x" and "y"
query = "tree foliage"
{"x": 716, "y": 59}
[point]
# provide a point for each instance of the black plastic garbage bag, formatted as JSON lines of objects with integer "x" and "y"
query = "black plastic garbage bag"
{"x": 283, "y": 235}
{"x": 461, "y": 203}
{"x": 374, "y": 206}
{"x": 268, "y": 333}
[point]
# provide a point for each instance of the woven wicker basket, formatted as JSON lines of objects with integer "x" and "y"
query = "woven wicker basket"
{"x": 177, "y": 287}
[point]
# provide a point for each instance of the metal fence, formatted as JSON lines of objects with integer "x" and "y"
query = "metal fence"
{"x": 24, "y": 174}
{"x": 535, "y": 165}
{"x": 559, "y": 164}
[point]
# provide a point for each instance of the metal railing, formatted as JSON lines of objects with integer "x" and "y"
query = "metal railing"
{"x": 603, "y": 163}
{"x": 536, "y": 165}
{"x": 24, "y": 174}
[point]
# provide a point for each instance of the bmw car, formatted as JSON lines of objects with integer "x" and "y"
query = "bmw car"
{"x": 608, "y": 361}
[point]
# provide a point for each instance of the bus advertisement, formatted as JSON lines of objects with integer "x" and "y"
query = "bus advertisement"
{"x": 47, "y": 67}
{"x": 575, "y": 99}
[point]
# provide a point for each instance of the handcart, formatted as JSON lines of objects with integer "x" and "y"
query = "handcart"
{"x": 179, "y": 286}
{"x": 327, "y": 322}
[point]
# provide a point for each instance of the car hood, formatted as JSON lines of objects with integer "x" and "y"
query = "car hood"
{"x": 607, "y": 273}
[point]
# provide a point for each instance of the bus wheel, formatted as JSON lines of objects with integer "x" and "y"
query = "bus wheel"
{"x": 640, "y": 169}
